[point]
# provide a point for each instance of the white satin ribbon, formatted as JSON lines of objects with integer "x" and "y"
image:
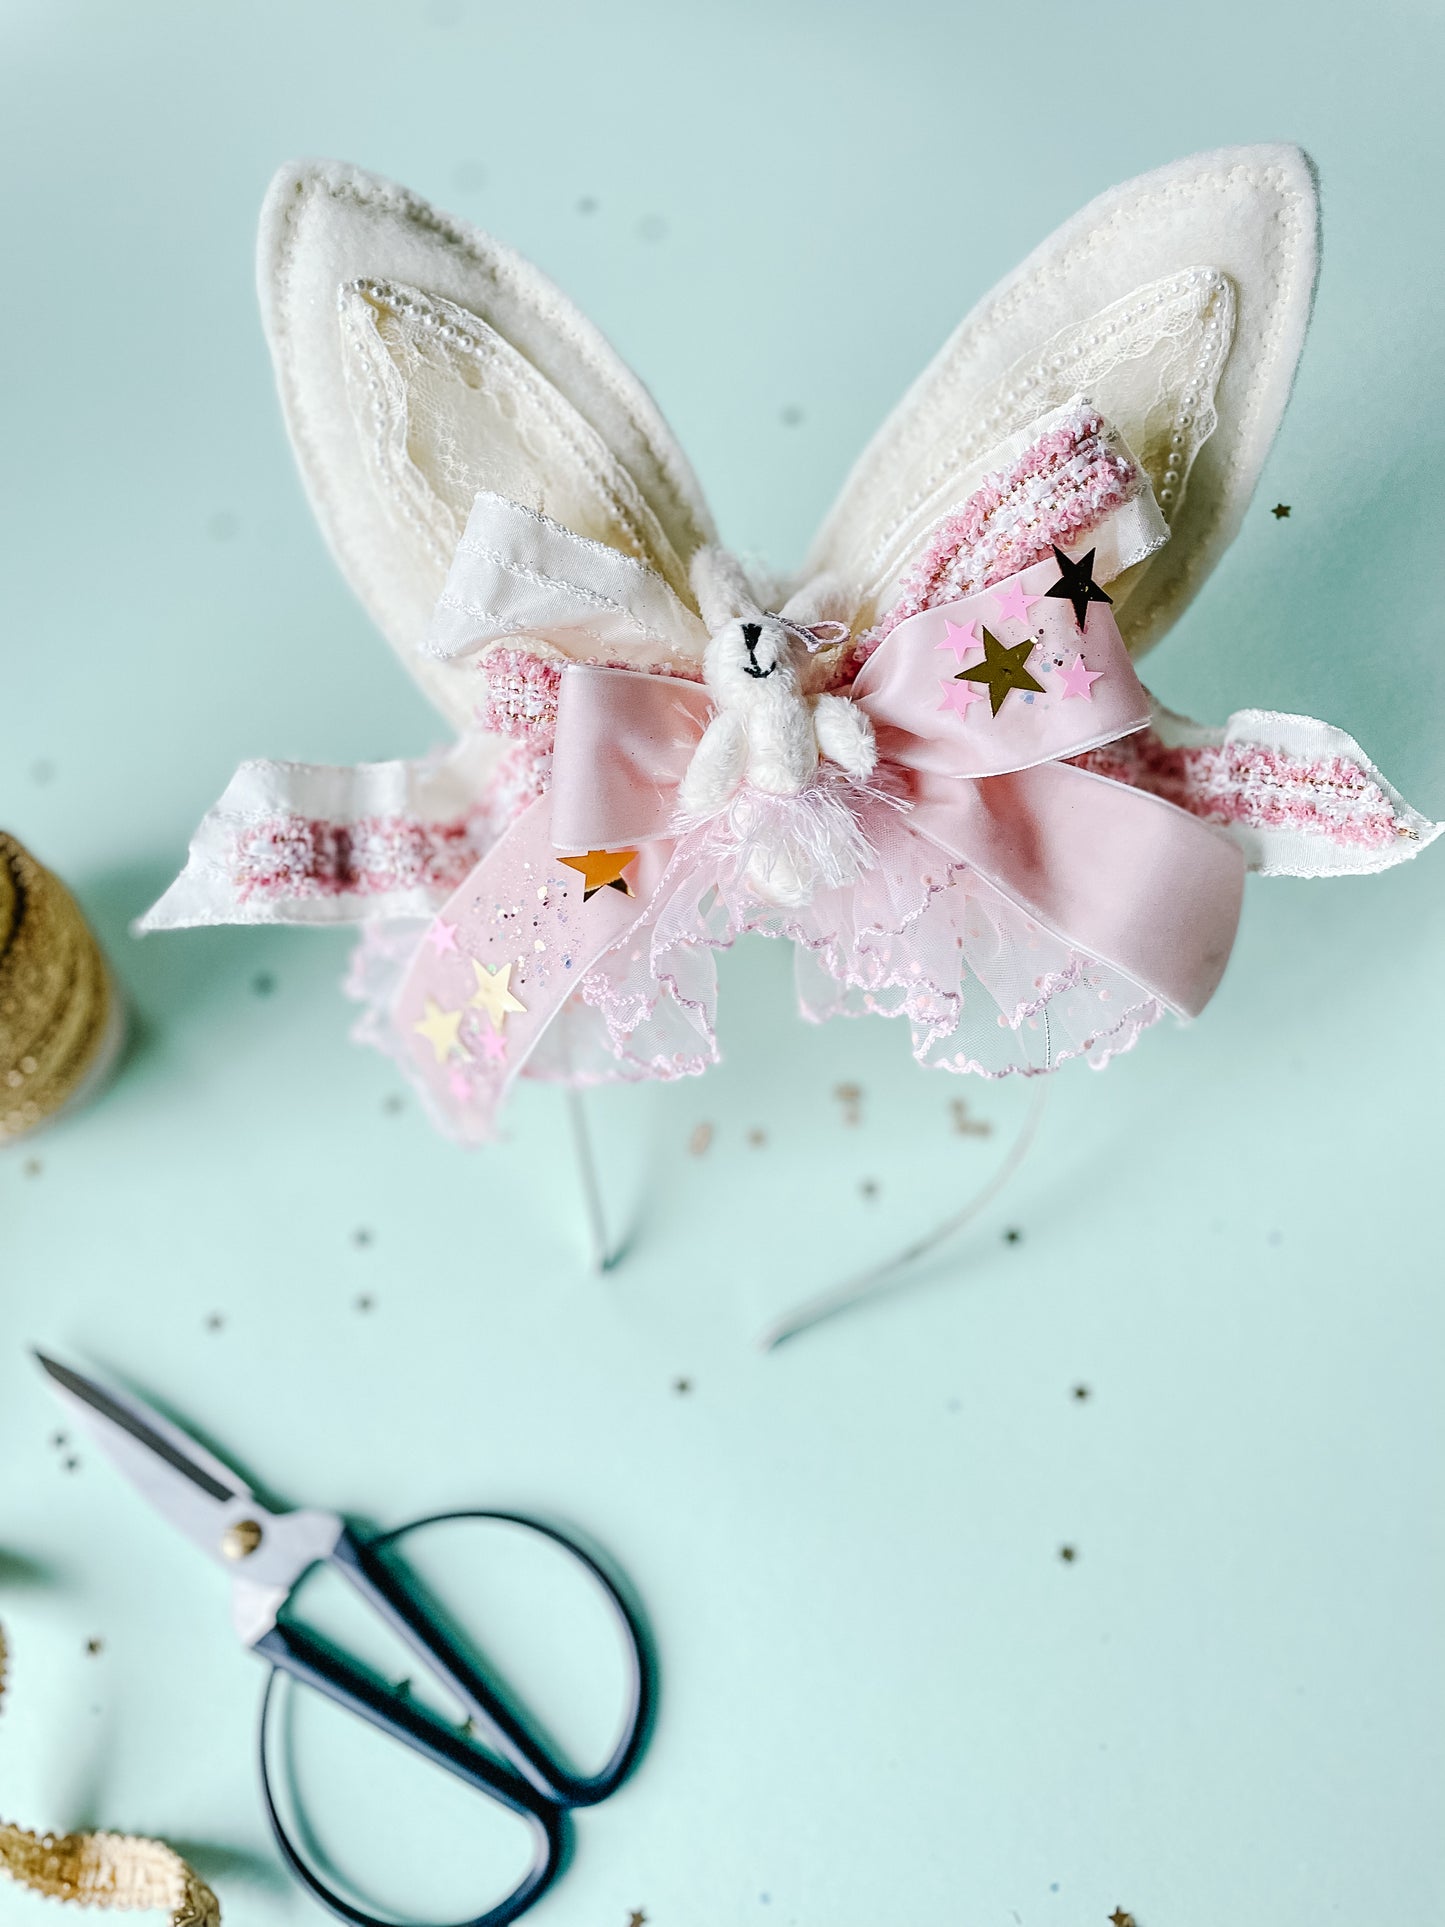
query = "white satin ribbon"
{"x": 517, "y": 573}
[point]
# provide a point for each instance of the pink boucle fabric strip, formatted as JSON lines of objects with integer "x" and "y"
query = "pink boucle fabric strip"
{"x": 1062, "y": 485}
{"x": 296, "y": 856}
{"x": 1251, "y": 783}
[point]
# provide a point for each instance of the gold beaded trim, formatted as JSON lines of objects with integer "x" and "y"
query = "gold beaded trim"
{"x": 112, "y": 1870}
{"x": 57, "y": 1004}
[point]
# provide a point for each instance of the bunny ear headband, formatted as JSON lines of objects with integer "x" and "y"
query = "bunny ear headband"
{"x": 928, "y": 761}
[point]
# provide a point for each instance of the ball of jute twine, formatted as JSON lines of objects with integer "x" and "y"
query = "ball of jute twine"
{"x": 61, "y": 1018}
{"x": 110, "y": 1870}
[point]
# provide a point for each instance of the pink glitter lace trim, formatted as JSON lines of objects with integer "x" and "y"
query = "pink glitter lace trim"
{"x": 1062, "y": 485}
{"x": 297, "y": 856}
{"x": 1252, "y": 784}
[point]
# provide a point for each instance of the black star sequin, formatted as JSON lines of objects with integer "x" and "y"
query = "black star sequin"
{"x": 1076, "y": 584}
{"x": 1001, "y": 670}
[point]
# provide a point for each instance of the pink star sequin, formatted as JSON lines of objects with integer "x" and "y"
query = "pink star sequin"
{"x": 494, "y": 1047}
{"x": 958, "y": 695}
{"x": 960, "y": 641}
{"x": 1077, "y": 680}
{"x": 1014, "y": 604}
{"x": 442, "y": 937}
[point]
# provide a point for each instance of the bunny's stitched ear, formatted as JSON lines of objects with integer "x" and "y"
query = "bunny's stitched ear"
{"x": 420, "y": 361}
{"x": 1178, "y": 304}
{"x": 721, "y": 587}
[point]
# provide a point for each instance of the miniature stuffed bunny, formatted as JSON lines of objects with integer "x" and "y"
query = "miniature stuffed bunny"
{"x": 766, "y": 741}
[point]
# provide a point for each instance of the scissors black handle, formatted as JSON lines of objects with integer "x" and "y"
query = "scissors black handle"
{"x": 532, "y": 1784}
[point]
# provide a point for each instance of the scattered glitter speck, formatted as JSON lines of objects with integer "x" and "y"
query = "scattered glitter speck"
{"x": 361, "y": 1239}
{"x": 1068, "y": 1554}
{"x": 1081, "y": 1391}
{"x": 94, "y": 1646}
{"x": 72, "y": 1464}
{"x": 682, "y": 1385}
{"x": 365, "y": 1301}
{"x": 59, "y": 1439}
{"x": 791, "y": 416}
{"x": 869, "y": 1187}
{"x": 32, "y": 1168}
{"x": 700, "y": 1140}
{"x": 393, "y": 1105}
{"x": 214, "y": 1322}
{"x": 263, "y": 983}
{"x": 965, "y": 1125}
{"x": 587, "y": 204}
{"x": 1012, "y": 1236}
{"x": 757, "y": 1138}
{"x": 850, "y": 1096}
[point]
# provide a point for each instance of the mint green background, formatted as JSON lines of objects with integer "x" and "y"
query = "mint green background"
{"x": 886, "y": 1699}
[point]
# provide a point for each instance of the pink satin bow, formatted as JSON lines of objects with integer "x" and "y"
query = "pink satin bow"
{"x": 1120, "y": 875}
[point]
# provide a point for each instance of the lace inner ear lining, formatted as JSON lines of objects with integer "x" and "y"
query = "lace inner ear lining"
{"x": 445, "y": 406}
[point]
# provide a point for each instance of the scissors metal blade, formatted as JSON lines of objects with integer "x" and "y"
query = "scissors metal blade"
{"x": 265, "y": 1552}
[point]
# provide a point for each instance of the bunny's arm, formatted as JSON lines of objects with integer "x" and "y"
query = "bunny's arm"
{"x": 717, "y": 765}
{"x": 845, "y": 735}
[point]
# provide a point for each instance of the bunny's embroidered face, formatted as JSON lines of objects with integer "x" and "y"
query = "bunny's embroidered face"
{"x": 750, "y": 656}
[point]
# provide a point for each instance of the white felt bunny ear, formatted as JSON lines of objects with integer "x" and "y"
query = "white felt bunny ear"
{"x": 1178, "y": 304}
{"x": 419, "y": 361}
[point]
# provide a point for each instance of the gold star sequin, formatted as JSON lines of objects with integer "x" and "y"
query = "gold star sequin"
{"x": 1001, "y": 670}
{"x": 439, "y": 1027}
{"x": 1121, "y": 1918}
{"x": 601, "y": 870}
{"x": 493, "y": 993}
{"x": 1280, "y": 511}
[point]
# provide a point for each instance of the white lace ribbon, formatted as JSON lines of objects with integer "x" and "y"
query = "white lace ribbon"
{"x": 312, "y": 843}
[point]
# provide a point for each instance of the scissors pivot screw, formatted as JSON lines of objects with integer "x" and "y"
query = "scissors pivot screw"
{"x": 240, "y": 1540}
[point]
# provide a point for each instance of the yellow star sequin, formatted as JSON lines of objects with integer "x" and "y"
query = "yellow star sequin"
{"x": 439, "y": 1027}
{"x": 493, "y": 993}
{"x": 601, "y": 870}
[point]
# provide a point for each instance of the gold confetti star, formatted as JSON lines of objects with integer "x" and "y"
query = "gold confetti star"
{"x": 1121, "y": 1918}
{"x": 637, "y": 1918}
{"x": 601, "y": 870}
{"x": 439, "y": 1027}
{"x": 1280, "y": 511}
{"x": 493, "y": 993}
{"x": 1002, "y": 669}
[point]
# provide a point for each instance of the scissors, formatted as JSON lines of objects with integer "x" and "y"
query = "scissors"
{"x": 268, "y": 1552}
